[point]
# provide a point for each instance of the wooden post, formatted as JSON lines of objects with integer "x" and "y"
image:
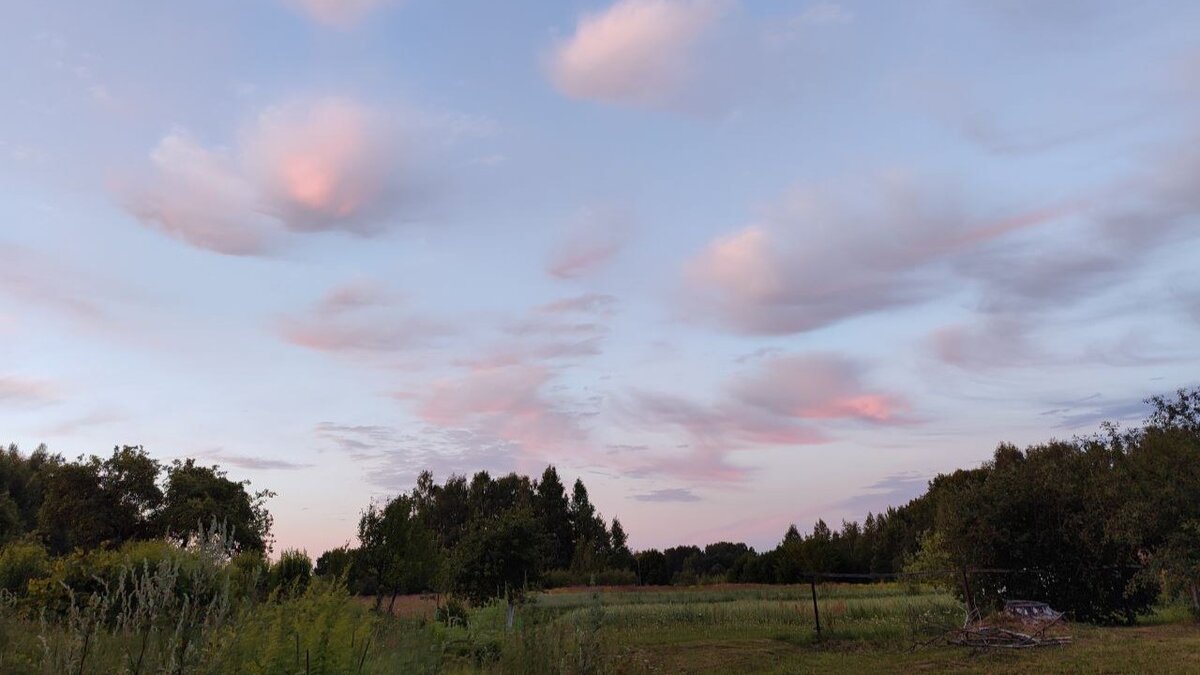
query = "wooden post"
{"x": 971, "y": 609}
{"x": 812, "y": 582}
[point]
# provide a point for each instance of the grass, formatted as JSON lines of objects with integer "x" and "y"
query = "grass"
{"x": 866, "y": 628}
{"x": 719, "y": 629}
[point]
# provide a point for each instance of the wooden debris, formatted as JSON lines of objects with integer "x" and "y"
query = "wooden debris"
{"x": 1022, "y": 624}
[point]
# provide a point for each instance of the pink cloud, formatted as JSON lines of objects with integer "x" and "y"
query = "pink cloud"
{"x": 637, "y": 52}
{"x": 338, "y": 13}
{"x": 44, "y": 283}
{"x": 199, "y": 196}
{"x": 787, "y": 401}
{"x": 829, "y": 253}
{"x": 328, "y": 164}
{"x": 992, "y": 343}
{"x": 596, "y": 237}
{"x": 815, "y": 387}
{"x": 359, "y": 319}
{"x": 507, "y": 402}
{"x": 586, "y": 303}
{"x": 22, "y": 391}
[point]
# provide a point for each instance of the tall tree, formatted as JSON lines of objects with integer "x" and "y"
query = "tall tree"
{"x": 498, "y": 558}
{"x": 197, "y": 497}
{"x": 621, "y": 557}
{"x": 397, "y": 550}
{"x": 554, "y": 512}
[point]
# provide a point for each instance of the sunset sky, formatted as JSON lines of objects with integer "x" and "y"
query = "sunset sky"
{"x": 735, "y": 264}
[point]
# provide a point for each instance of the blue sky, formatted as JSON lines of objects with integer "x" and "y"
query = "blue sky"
{"x": 736, "y": 264}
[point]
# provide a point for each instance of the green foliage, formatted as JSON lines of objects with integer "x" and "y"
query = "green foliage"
{"x": 320, "y": 631}
{"x": 335, "y": 562}
{"x": 604, "y": 577}
{"x": 197, "y": 495}
{"x": 397, "y": 551}
{"x": 930, "y": 561}
{"x": 96, "y": 502}
{"x": 93, "y": 501}
{"x": 292, "y": 572}
{"x": 20, "y": 562}
{"x": 498, "y": 558}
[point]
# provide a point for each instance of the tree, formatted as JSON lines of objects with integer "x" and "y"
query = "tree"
{"x": 91, "y": 501}
{"x": 23, "y": 484}
{"x": 652, "y": 568}
{"x": 1158, "y": 467}
{"x": 498, "y": 558}
{"x": 621, "y": 557}
{"x": 554, "y": 513}
{"x": 129, "y": 481}
{"x": 1046, "y": 514}
{"x": 75, "y": 512}
{"x": 396, "y": 549}
{"x": 335, "y": 562}
{"x": 293, "y": 571}
{"x": 592, "y": 541}
{"x": 199, "y": 496}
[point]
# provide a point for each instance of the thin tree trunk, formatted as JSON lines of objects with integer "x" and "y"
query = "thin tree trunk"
{"x": 392, "y": 603}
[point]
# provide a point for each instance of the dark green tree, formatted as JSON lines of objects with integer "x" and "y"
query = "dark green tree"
{"x": 554, "y": 513}
{"x": 621, "y": 557}
{"x": 197, "y": 497}
{"x": 396, "y": 550}
{"x": 498, "y": 558}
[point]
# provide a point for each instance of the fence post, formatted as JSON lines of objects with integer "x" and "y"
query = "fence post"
{"x": 972, "y": 611}
{"x": 812, "y": 582}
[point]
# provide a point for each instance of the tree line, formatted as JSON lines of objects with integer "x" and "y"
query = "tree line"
{"x": 1100, "y": 526}
{"x": 482, "y": 538}
{"x": 93, "y": 502}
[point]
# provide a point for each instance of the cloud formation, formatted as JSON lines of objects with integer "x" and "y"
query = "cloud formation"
{"x": 250, "y": 462}
{"x": 330, "y": 164}
{"x": 23, "y": 391}
{"x": 508, "y": 402}
{"x": 596, "y": 237}
{"x": 828, "y": 253}
{"x": 360, "y": 318}
{"x": 816, "y": 387}
{"x": 338, "y": 13}
{"x": 635, "y": 52}
{"x": 787, "y": 400}
{"x": 668, "y": 495}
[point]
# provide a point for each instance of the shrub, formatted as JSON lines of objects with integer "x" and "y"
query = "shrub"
{"x": 292, "y": 572}
{"x": 452, "y": 613}
{"x": 20, "y": 562}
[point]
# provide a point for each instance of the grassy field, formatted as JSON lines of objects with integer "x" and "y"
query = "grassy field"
{"x": 709, "y": 629}
{"x": 769, "y": 629}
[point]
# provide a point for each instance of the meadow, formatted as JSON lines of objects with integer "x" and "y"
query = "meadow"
{"x": 728, "y": 628}
{"x": 141, "y": 622}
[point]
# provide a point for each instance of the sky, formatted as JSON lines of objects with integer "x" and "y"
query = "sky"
{"x": 735, "y": 264}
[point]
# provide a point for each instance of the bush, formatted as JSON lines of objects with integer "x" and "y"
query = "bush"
{"x": 84, "y": 573}
{"x": 321, "y": 630}
{"x": 611, "y": 577}
{"x": 292, "y": 573}
{"x": 605, "y": 577}
{"x": 21, "y": 562}
{"x": 249, "y": 573}
{"x": 452, "y": 613}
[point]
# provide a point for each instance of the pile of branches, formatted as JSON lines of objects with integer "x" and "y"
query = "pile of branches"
{"x": 1021, "y": 625}
{"x": 989, "y": 637}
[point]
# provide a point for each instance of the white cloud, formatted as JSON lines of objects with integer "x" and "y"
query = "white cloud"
{"x": 321, "y": 165}
{"x": 637, "y": 52}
